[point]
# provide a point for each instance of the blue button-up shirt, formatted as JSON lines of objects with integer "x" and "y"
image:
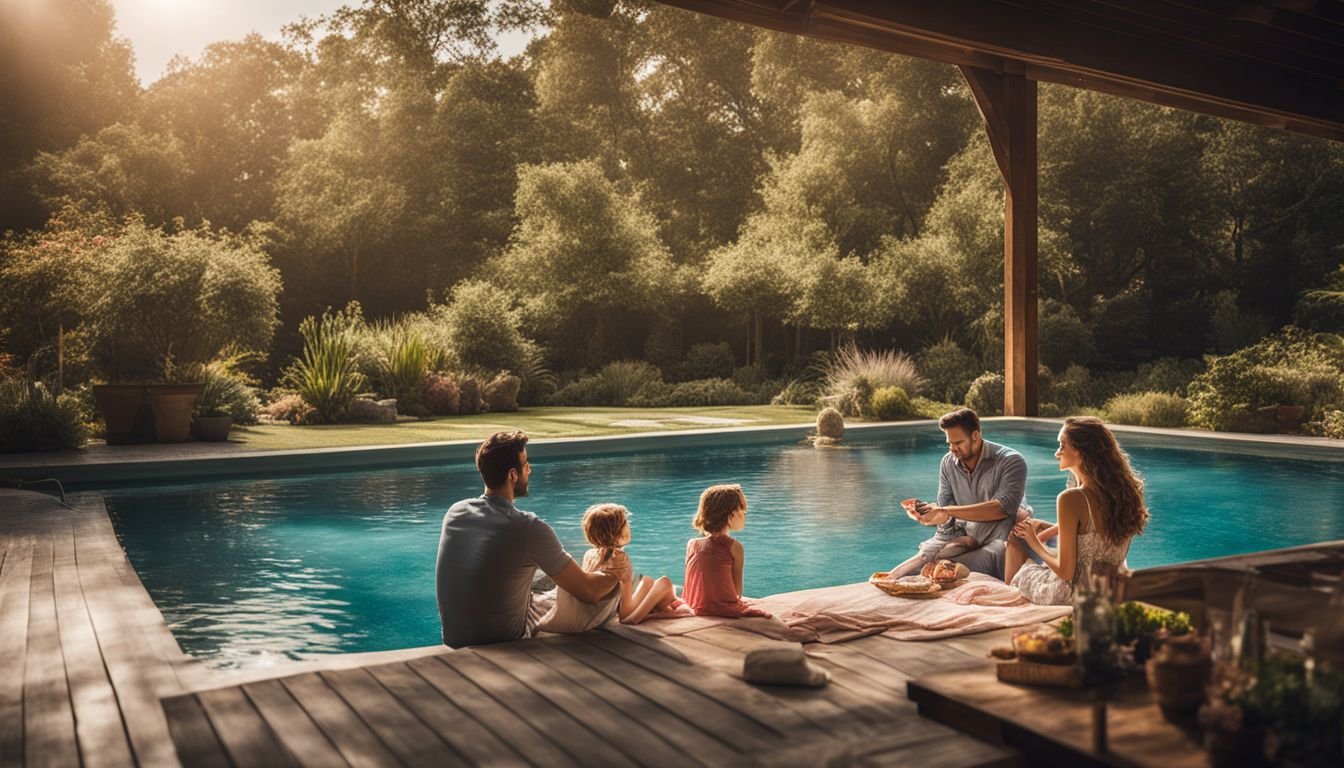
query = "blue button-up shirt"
{"x": 1000, "y": 475}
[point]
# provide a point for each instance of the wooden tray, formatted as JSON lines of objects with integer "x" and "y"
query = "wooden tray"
{"x": 1033, "y": 673}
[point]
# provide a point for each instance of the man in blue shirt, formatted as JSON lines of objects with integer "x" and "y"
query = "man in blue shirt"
{"x": 980, "y": 492}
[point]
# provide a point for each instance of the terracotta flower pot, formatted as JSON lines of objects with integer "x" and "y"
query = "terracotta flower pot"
{"x": 212, "y": 429}
{"x": 173, "y": 404}
{"x": 126, "y": 412}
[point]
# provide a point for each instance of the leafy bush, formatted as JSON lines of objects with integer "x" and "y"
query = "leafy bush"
{"x": 469, "y": 395}
{"x": 1332, "y": 424}
{"x": 501, "y": 393}
{"x": 189, "y": 295}
{"x": 291, "y": 408}
{"x": 706, "y": 361}
{"x": 1292, "y": 367}
{"x": 985, "y": 395}
{"x": 854, "y": 399}
{"x": 705, "y": 392}
{"x": 891, "y": 403}
{"x": 614, "y": 385}
{"x": 538, "y": 380}
{"x": 1167, "y": 374}
{"x": 440, "y": 394}
{"x": 1137, "y": 624}
{"x": 800, "y": 391}
{"x": 402, "y": 358}
{"x": 1147, "y": 409}
{"x": 482, "y": 329}
{"x": 227, "y": 392}
{"x": 948, "y": 368}
{"x": 1063, "y": 338}
{"x": 884, "y": 368}
{"x": 31, "y": 419}
{"x": 1074, "y": 388}
{"x": 326, "y": 376}
{"x": 924, "y": 408}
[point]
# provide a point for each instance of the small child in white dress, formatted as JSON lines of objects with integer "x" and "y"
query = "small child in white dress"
{"x": 607, "y": 529}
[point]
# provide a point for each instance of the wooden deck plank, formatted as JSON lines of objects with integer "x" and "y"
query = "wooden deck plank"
{"x": 48, "y": 716}
{"x": 979, "y": 645}
{"x": 694, "y": 743}
{"x": 728, "y": 648}
{"x": 98, "y": 724}
{"x": 353, "y": 739}
{"x": 197, "y": 744}
{"x": 772, "y": 715}
{"x": 638, "y": 743}
{"x": 477, "y": 744}
{"x": 818, "y": 705}
{"x": 15, "y": 585}
{"x": 295, "y": 729}
{"x": 914, "y": 658}
{"x": 138, "y": 676}
{"x": 943, "y": 752}
{"x": 517, "y": 732}
{"x": 242, "y": 730}
{"x": 408, "y": 738}
{"x": 568, "y": 733}
{"x": 732, "y": 729}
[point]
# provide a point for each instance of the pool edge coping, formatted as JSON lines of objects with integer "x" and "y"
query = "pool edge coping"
{"x": 89, "y": 473}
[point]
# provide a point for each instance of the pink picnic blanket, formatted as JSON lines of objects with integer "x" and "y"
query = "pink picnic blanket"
{"x": 836, "y": 614}
{"x": 843, "y": 613}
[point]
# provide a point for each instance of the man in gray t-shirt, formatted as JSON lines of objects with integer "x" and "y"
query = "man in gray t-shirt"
{"x": 489, "y": 553}
{"x": 980, "y": 492}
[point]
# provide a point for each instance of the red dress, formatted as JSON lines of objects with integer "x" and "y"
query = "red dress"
{"x": 709, "y": 589}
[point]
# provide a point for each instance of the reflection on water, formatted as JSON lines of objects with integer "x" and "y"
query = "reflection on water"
{"x": 249, "y": 572}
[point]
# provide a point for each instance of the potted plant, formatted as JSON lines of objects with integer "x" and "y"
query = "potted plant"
{"x": 126, "y": 412}
{"x": 226, "y": 398}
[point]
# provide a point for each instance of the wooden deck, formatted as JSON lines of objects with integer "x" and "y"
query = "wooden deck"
{"x": 90, "y": 675}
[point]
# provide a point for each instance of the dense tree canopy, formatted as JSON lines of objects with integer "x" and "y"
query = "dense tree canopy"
{"x": 641, "y": 180}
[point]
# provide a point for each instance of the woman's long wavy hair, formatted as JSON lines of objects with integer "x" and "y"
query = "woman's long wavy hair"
{"x": 1111, "y": 475}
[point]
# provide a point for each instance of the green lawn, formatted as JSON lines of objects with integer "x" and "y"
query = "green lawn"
{"x": 537, "y": 422}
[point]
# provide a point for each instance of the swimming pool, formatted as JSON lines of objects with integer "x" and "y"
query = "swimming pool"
{"x": 251, "y": 571}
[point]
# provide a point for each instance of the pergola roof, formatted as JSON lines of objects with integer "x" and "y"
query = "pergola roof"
{"x": 1278, "y": 63}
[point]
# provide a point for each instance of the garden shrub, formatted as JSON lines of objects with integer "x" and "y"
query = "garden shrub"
{"x": 830, "y": 423}
{"x": 985, "y": 395}
{"x": 885, "y": 368}
{"x": 891, "y": 403}
{"x": 612, "y": 386}
{"x": 1292, "y": 367}
{"x": 705, "y": 392}
{"x": 800, "y": 391}
{"x": 924, "y": 408}
{"x": 948, "y": 368}
{"x": 854, "y": 399}
{"x": 1063, "y": 338}
{"x": 291, "y": 408}
{"x": 469, "y": 395}
{"x": 482, "y": 329}
{"x": 439, "y": 394}
{"x": 227, "y": 392}
{"x": 32, "y": 419}
{"x": 190, "y": 295}
{"x": 1332, "y": 424}
{"x": 366, "y": 410}
{"x": 1167, "y": 374}
{"x": 501, "y": 393}
{"x": 706, "y": 361}
{"x": 1147, "y": 409}
{"x": 326, "y": 376}
{"x": 401, "y": 359}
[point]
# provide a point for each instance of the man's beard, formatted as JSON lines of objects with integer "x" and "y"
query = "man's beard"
{"x": 520, "y": 487}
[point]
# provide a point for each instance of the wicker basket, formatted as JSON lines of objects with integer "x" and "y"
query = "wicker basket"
{"x": 880, "y": 581}
{"x": 1031, "y": 673}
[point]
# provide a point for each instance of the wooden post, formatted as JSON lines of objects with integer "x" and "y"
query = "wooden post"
{"x": 1008, "y": 103}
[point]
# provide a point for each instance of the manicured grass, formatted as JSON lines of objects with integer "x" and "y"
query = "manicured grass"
{"x": 537, "y": 422}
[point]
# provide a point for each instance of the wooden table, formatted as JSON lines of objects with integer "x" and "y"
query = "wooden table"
{"x": 1053, "y": 726}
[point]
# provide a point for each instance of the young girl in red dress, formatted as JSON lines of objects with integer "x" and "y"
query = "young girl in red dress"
{"x": 715, "y": 560}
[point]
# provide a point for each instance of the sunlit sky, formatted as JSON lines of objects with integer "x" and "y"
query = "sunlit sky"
{"x": 161, "y": 29}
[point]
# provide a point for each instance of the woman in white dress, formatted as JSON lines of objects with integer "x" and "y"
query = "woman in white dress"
{"x": 1097, "y": 517}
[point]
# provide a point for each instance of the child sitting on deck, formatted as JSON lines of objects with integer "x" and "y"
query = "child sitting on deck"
{"x": 715, "y": 560}
{"x": 607, "y": 529}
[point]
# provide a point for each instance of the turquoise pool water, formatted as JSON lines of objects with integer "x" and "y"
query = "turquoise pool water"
{"x": 252, "y": 571}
